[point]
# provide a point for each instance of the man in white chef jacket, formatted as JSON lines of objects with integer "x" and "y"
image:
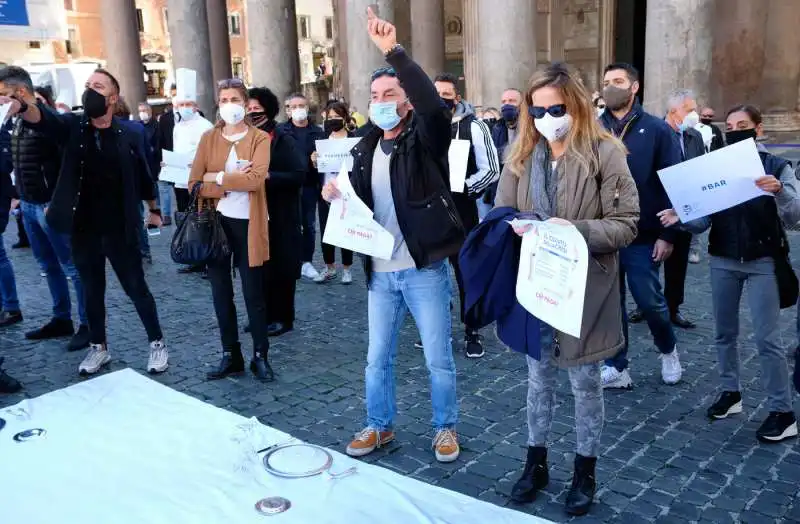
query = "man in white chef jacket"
{"x": 189, "y": 127}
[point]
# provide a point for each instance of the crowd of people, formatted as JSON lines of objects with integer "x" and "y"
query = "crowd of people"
{"x": 87, "y": 188}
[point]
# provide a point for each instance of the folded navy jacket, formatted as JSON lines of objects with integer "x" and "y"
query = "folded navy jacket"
{"x": 489, "y": 261}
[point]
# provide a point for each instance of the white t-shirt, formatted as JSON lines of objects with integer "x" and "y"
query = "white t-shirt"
{"x": 235, "y": 204}
{"x": 186, "y": 137}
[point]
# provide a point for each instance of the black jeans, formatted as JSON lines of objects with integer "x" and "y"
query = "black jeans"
{"x": 461, "y": 291}
{"x": 221, "y": 278}
{"x": 279, "y": 293}
{"x": 675, "y": 271}
{"x": 89, "y": 253}
{"x": 308, "y": 219}
{"x": 329, "y": 251}
{"x": 182, "y": 199}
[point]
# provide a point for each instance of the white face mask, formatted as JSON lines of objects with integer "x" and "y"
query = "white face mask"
{"x": 144, "y": 116}
{"x": 300, "y": 114}
{"x": 690, "y": 121}
{"x": 61, "y": 111}
{"x": 551, "y": 128}
{"x": 232, "y": 114}
{"x": 600, "y": 111}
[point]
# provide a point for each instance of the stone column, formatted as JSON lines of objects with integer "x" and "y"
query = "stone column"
{"x": 507, "y": 41}
{"x": 340, "y": 83}
{"x": 678, "y": 47}
{"x": 473, "y": 72}
{"x": 779, "y": 82}
{"x": 739, "y": 35}
{"x": 219, "y": 39}
{"x": 123, "y": 49}
{"x": 188, "y": 32}
{"x": 272, "y": 39}
{"x": 362, "y": 56}
{"x": 556, "y": 30}
{"x": 427, "y": 35}
{"x": 608, "y": 18}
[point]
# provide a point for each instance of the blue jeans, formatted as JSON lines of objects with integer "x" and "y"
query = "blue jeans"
{"x": 426, "y": 293}
{"x": 8, "y": 284}
{"x": 165, "y": 198}
{"x": 53, "y": 253}
{"x": 636, "y": 262}
{"x": 308, "y": 215}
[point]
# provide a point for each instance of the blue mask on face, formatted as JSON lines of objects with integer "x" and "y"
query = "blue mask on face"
{"x": 509, "y": 112}
{"x": 186, "y": 112}
{"x": 384, "y": 115}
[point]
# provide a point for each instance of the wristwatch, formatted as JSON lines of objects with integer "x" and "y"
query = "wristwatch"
{"x": 392, "y": 50}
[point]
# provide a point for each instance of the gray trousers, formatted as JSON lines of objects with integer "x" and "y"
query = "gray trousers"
{"x": 586, "y": 388}
{"x": 728, "y": 278}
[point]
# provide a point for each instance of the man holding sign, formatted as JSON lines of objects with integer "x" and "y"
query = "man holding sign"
{"x": 471, "y": 174}
{"x": 400, "y": 173}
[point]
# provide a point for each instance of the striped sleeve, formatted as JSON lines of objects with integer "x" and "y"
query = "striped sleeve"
{"x": 485, "y": 157}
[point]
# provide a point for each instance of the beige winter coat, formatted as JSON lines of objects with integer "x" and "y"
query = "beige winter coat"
{"x": 607, "y": 220}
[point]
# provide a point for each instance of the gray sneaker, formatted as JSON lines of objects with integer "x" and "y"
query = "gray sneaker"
{"x": 159, "y": 357}
{"x": 96, "y": 358}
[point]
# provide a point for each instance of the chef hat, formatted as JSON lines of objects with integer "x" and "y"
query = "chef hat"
{"x": 186, "y": 84}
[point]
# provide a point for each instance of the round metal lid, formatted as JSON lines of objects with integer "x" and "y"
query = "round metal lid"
{"x": 29, "y": 434}
{"x": 273, "y": 505}
{"x": 297, "y": 460}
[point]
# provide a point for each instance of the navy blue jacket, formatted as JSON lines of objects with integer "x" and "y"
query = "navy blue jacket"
{"x": 306, "y": 141}
{"x": 489, "y": 261}
{"x": 652, "y": 145}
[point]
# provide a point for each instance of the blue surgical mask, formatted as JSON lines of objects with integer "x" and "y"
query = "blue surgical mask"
{"x": 186, "y": 112}
{"x": 510, "y": 112}
{"x": 384, "y": 115}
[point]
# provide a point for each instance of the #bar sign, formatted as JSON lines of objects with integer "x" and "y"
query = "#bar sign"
{"x": 13, "y": 12}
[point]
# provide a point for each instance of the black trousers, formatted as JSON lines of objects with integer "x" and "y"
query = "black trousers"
{"x": 675, "y": 271}
{"x": 279, "y": 293}
{"x": 220, "y": 275}
{"x": 182, "y": 199}
{"x": 461, "y": 292}
{"x": 329, "y": 251}
{"x": 89, "y": 253}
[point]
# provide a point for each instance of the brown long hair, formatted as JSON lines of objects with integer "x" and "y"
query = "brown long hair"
{"x": 585, "y": 132}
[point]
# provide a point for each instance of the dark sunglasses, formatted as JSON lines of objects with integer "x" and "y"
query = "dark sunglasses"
{"x": 556, "y": 111}
{"x": 230, "y": 83}
{"x": 383, "y": 71}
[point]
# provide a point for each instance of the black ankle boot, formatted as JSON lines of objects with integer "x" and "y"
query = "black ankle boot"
{"x": 260, "y": 366}
{"x": 232, "y": 362}
{"x": 581, "y": 494}
{"x": 534, "y": 477}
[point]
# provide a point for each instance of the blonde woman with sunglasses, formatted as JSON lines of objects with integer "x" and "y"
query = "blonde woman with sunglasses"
{"x": 566, "y": 169}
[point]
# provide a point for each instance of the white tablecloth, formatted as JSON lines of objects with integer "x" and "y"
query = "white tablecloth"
{"x": 123, "y": 449}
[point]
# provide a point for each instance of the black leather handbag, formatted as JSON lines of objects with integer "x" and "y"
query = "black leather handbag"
{"x": 199, "y": 238}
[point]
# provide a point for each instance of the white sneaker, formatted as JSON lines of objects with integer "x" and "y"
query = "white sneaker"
{"x": 614, "y": 379}
{"x": 347, "y": 277}
{"x": 308, "y": 271}
{"x": 159, "y": 357}
{"x": 327, "y": 275}
{"x": 96, "y": 358}
{"x": 671, "y": 370}
{"x": 694, "y": 257}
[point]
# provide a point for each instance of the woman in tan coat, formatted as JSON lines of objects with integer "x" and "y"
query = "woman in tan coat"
{"x": 566, "y": 169}
{"x": 232, "y": 164}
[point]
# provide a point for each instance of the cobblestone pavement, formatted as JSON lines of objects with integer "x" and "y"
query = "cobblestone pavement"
{"x": 662, "y": 461}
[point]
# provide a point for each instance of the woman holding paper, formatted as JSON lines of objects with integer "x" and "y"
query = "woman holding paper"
{"x": 747, "y": 243}
{"x": 231, "y": 166}
{"x": 564, "y": 168}
{"x": 336, "y": 118}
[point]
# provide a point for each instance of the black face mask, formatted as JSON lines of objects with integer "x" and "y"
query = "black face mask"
{"x": 257, "y": 117}
{"x": 333, "y": 125}
{"x": 451, "y": 104}
{"x": 94, "y": 104}
{"x": 707, "y": 121}
{"x": 490, "y": 121}
{"x": 732, "y": 137}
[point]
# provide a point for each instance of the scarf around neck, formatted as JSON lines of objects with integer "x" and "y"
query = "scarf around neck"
{"x": 543, "y": 181}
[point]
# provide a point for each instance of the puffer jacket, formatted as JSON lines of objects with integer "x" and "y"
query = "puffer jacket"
{"x": 37, "y": 160}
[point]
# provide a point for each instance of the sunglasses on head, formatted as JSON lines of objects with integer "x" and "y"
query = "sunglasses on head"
{"x": 383, "y": 71}
{"x": 229, "y": 83}
{"x": 556, "y": 111}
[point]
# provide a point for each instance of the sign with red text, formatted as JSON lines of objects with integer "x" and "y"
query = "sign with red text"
{"x": 351, "y": 226}
{"x": 551, "y": 281}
